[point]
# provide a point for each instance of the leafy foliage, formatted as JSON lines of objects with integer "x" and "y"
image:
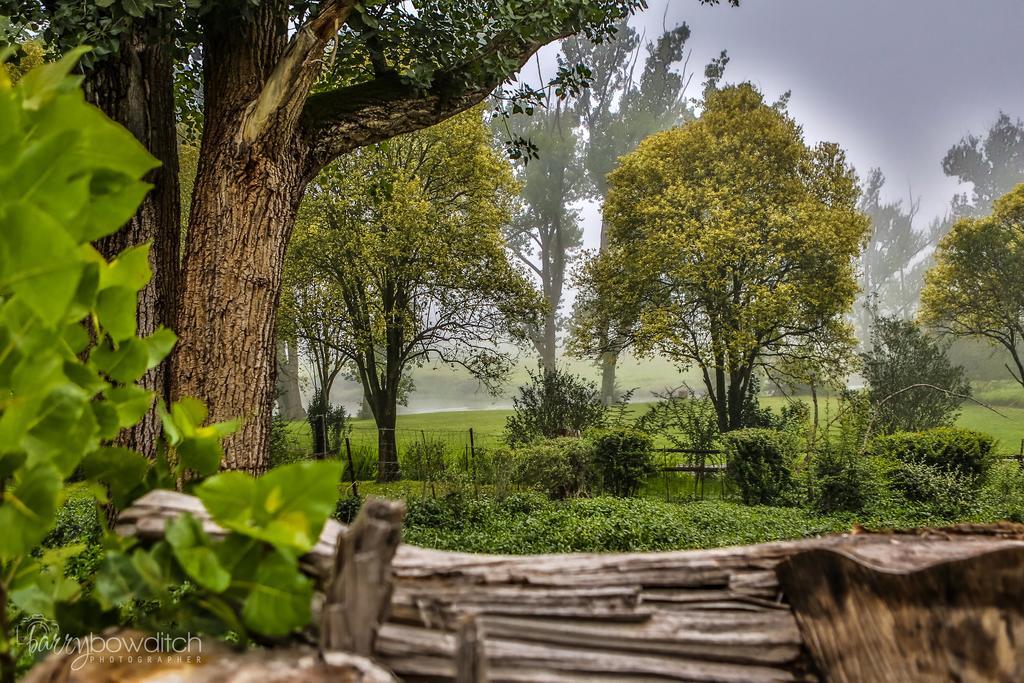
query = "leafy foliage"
{"x": 555, "y": 403}
{"x": 685, "y": 420}
{"x": 562, "y": 468}
{"x": 71, "y": 355}
{"x": 623, "y": 460}
{"x": 761, "y": 464}
{"x": 947, "y": 449}
{"x": 710, "y": 264}
{"x": 408, "y": 236}
{"x": 327, "y": 423}
{"x": 948, "y": 494}
{"x": 425, "y": 460}
{"x": 69, "y": 371}
{"x": 530, "y": 523}
{"x": 912, "y": 385}
{"x": 976, "y": 288}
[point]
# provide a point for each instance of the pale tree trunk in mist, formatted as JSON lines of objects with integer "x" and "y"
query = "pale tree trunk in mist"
{"x": 289, "y": 396}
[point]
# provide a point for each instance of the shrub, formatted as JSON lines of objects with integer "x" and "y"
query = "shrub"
{"x": 623, "y": 460}
{"x": 562, "y": 468}
{"x": 686, "y": 421}
{"x": 554, "y": 404}
{"x": 841, "y": 481}
{"x": 1002, "y": 497}
{"x": 946, "y": 493}
{"x": 494, "y": 467}
{"x": 425, "y": 460}
{"x": 327, "y": 424}
{"x": 761, "y": 465}
{"x": 946, "y": 448}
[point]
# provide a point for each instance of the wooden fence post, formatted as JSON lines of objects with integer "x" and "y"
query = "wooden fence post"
{"x": 351, "y": 467}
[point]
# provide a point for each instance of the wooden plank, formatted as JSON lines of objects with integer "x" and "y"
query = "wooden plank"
{"x": 951, "y": 620}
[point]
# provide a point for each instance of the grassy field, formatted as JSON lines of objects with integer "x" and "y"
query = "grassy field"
{"x": 488, "y": 426}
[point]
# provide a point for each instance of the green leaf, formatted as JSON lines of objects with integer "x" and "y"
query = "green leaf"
{"x": 39, "y": 262}
{"x": 121, "y": 469}
{"x": 27, "y": 510}
{"x": 287, "y": 507}
{"x": 159, "y": 345}
{"x": 115, "y": 308}
{"x": 201, "y": 454}
{"x": 131, "y": 403}
{"x": 118, "y": 581}
{"x": 229, "y": 498}
{"x": 129, "y": 269}
{"x": 194, "y": 553}
{"x": 127, "y": 363}
{"x": 279, "y": 599}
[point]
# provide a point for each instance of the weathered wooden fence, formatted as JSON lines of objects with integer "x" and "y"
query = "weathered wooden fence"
{"x": 903, "y": 606}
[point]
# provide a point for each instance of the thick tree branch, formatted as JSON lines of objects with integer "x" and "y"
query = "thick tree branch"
{"x": 354, "y": 116}
{"x": 295, "y": 73}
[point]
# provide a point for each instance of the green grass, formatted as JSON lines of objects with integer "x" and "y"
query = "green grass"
{"x": 452, "y": 427}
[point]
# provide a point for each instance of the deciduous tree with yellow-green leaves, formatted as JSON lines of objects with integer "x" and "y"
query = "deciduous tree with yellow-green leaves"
{"x": 731, "y": 246}
{"x": 409, "y": 232}
{"x": 976, "y": 288}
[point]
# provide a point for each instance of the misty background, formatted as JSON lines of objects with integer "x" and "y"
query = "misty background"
{"x": 895, "y": 83}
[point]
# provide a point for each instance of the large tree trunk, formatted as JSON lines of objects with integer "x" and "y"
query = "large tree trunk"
{"x": 243, "y": 210}
{"x": 289, "y": 397}
{"x": 135, "y": 89}
{"x": 387, "y": 445}
{"x": 242, "y": 214}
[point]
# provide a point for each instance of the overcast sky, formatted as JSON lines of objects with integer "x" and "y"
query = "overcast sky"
{"x": 895, "y": 82}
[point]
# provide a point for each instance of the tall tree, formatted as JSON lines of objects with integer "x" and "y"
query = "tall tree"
{"x": 731, "y": 246}
{"x": 545, "y": 234}
{"x": 409, "y": 232}
{"x": 889, "y": 280}
{"x": 993, "y": 165}
{"x": 619, "y": 110}
{"x": 912, "y": 385}
{"x": 286, "y": 87}
{"x": 309, "y": 318}
{"x": 976, "y": 288}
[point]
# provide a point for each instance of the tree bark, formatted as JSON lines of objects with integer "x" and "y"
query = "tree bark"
{"x": 243, "y": 210}
{"x": 135, "y": 89}
{"x": 387, "y": 445}
{"x": 289, "y": 397}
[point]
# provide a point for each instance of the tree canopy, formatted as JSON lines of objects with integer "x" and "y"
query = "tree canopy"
{"x": 976, "y": 288}
{"x": 731, "y": 245}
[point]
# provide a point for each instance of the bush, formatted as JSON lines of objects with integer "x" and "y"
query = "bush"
{"x": 761, "y": 465}
{"x": 946, "y": 493}
{"x": 841, "y": 481}
{"x": 425, "y": 460}
{"x": 327, "y": 424}
{"x": 947, "y": 449}
{"x": 494, "y": 467}
{"x": 562, "y": 468}
{"x": 623, "y": 460}
{"x": 1002, "y": 497}
{"x": 686, "y": 421}
{"x": 554, "y": 404}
